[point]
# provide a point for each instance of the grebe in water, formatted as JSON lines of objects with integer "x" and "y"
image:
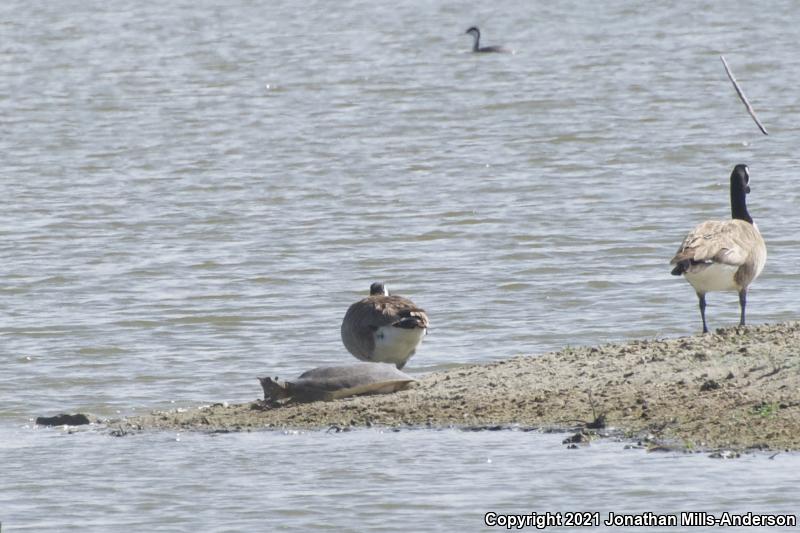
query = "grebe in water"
{"x": 476, "y": 33}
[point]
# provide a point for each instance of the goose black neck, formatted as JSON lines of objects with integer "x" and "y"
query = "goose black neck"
{"x": 739, "y": 199}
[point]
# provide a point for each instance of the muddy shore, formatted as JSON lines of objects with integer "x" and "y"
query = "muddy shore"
{"x": 732, "y": 389}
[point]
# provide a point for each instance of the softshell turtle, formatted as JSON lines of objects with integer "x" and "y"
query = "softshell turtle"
{"x": 332, "y": 382}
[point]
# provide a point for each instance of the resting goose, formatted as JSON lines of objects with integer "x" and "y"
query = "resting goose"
{"x": 724, "y": 255}
{"x": 383, "y": 328}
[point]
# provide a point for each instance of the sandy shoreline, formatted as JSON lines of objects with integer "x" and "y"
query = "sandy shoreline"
{"x": 732, "y": 389}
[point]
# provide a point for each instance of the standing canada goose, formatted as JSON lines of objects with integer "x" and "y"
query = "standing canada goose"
{"x": 383, "y": 328}
{"x": 724, "y": 255}
{"x": 476, "y": 47}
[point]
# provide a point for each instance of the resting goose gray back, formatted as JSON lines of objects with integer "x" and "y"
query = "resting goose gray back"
{"x": 384, "y": 328}
{"x": 724, "y": 255}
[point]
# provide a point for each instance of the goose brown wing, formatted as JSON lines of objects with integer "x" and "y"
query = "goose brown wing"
{"x": 716, "y": 241}
{"x": 405, "y": 313}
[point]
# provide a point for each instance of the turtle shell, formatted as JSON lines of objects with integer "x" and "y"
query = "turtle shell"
{"x": 332, "y": 382}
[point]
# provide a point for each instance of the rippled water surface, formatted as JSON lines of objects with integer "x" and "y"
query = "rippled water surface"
{"x": 193, "y": 193}
{"x": 368, "y": 479}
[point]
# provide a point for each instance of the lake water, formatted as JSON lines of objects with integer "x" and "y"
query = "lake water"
{"x": 192, "y": 194}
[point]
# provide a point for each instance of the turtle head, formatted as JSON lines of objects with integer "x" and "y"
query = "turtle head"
{"x": 273, "y": 389}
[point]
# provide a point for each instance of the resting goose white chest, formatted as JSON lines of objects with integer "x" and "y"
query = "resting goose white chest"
{"x": 383, "y": 328}
{"x": 724, "y": 255}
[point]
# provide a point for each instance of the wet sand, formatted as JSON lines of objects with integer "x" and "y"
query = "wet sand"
{"x": 737, "y": 388}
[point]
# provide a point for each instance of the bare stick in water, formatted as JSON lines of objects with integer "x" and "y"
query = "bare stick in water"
{"x": 742, "y": 96}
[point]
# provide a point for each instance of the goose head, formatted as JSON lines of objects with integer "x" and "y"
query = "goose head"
{"x": 378, "y": 289}
{"x": 740, "y": 187}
